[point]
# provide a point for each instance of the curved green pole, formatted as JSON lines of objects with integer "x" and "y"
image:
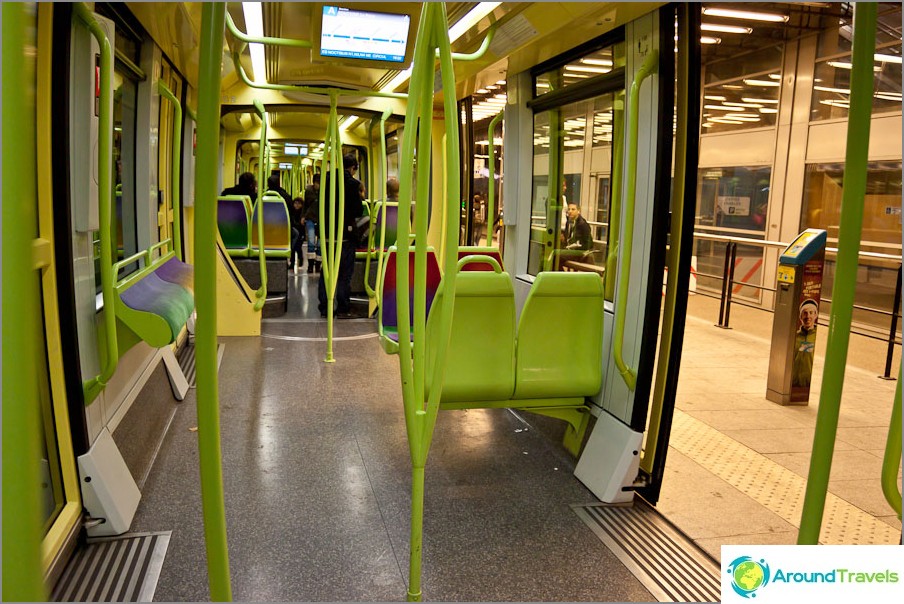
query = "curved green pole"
{"x": 261, "y": 293}
{"x": 177, "y": 155}
{"x": 94, "y": 386}
{"x": 22, "y": 534}
{"x": 677, "y": 225}
{"x": 491, "y": 189}
{"x": 846, "y": 263}
{"x": 307, "y": 89}
{"x": 264, "y": 39}
{"x": 615, "y": 193}
{"x": 384, "y": 176}
{"x": 432, "y": 33}
{"x": 212, "y": 17}
{"x": 332, "y": 245}
{"x": 624, "y": 271}
{"x": 891, "y": 462}
{"x": 377, "y": 210}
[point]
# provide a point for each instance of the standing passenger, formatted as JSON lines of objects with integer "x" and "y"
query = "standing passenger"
{"x": 311, "y": 219}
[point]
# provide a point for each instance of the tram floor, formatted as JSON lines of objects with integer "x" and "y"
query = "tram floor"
{"x": 316, "y": 474}
{"x": 316, "y": 480}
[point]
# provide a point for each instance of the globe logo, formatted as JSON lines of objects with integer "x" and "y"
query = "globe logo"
{"x": 748, "y": 575}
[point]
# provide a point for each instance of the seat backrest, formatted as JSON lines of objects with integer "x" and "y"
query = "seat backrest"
{"x": 277, "y": 228}
{"x": 389, "y": 213}
{"x": 233, "y": 220}
{"x": 388, "y": 300}
{"x": 480, "y": 358}
{"x": 560, "y": 334}
{"x": 470, "y": 250}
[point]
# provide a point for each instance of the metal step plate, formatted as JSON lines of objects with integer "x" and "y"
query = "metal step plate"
{"x": 665, "y": 561}
{"x": 115, "y": 569}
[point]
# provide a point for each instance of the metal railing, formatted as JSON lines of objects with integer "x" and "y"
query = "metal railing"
{"x": 726, "y": 298}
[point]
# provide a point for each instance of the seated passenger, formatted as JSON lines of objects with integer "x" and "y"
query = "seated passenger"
{"x": 578, "y": 242}
{"x": 247, "y": 185}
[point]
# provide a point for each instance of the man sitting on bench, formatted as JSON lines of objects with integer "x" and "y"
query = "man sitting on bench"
{"x": 578, "y": 242}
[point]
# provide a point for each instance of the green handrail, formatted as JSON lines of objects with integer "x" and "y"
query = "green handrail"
{"x": 554, "y": 206}
{"x": 491, "y": 187}
{"x": 177, "y": 155}
{"x": 22, "y": 523}
{"x": 149, "y": 264}
{"x": 379, "y": 207}
{"x": 481, "y": 50}
{"x": 420, "y": 419}
{"x": 332, "y": 246}
{"x": 261, "y": 293}
{"x": 263, "y": 39}
{"x": 95, "y": 385}
{"x": 384, "y": 171}
{"x": 846, "y": 264}
{"x": 891, "y": 461}
{"x": 624, "y": 272}
{"x": 682, "y": 74}
{"x": 211, "y": 467}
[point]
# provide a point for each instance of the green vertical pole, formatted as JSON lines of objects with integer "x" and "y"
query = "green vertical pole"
{"x": 849, "y": 231}
{"x": 213, "y": 16}
{"x": 615, "y": 194}
{"x": 891, "y": 461}
{"x": 177, "y": 154}
{"x": 491, "y": 188}
{"x": 22, "y": 576}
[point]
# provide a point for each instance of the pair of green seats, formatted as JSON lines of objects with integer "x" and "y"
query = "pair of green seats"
{"x": 548, "y": 365}
{"x": 237, "y": 218}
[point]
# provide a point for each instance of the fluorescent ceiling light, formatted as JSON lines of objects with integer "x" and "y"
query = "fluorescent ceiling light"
{"x": 755, "y": 100}
{"x": 887, "y": 58}
{"x": 728, "y": 29}
{"x": 254, "y": 24}
{"x": 834, "y": 103}
{"x": 402, "y": 77}
{"x": 584, "y": 68}
{"x": 732, "y": 87}
{"x": 737, "y": 104}
{"x": 347, "y": 122}
{"x": 768, "y": 110}
{"x": 708, "y": 125}
{"x": 710, "y": 40}
{"x": 713, "y": 97}
{"x": 846, "y": 65}
{"x": 722, "y": 120}
{"x": 743, "y": 14}
{"x": 482, "y": 91}
{"x": 754, "y": 82}
{"x": 888, "y": 96}
{"x": 720, "y": 107}
{"x": 601, "y": 62}
{"x": 829, "y": 89}
{"x": 470, "y": 20}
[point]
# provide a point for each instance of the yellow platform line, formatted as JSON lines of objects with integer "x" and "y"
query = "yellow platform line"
{"x": 773, "y": 486}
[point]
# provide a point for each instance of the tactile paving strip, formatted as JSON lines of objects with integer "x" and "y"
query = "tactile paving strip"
{"x": 773, "y": 486}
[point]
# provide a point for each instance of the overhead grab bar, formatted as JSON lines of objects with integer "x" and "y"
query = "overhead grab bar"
{"x": 477, "y": 54}
{"x": 621, "y": 307}
{"x": 230, "y": 24}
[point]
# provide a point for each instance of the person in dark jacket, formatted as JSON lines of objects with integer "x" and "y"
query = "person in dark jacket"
{"x": 247, "y": 185}
{"x": 296, "y": 219}
{"x": 311, "y": 211}
{"x": 576, "y": 237}
{"x": 353, "y": 210}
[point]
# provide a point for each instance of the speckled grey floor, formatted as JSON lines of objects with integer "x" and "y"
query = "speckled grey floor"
{"x": 316, "y": 480}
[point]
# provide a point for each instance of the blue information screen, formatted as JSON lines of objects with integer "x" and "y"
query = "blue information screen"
{"x": 354, "y": 34}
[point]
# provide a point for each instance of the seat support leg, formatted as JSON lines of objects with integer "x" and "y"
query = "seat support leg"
{"x": 177, "y": 379}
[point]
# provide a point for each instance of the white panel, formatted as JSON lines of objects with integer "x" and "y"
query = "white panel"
{"x": 749, "y": 148}
{"x": 610, "y": 460}
{"x": 517, "y": 186}
{"x": 601, "y": 160}
{"x": 108, "y": 489}
{"x": 828, "y": 140}
{"x": 147, "y": 147}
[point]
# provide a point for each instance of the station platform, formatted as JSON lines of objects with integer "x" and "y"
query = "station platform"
{"x": 737, "y": 464}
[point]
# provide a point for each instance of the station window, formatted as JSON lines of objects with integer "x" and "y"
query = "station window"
{"x": 881, "y": 231}
{"x": 742, "y": 92}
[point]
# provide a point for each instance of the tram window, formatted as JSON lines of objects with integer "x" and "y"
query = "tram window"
{"x": 734, "y": 198}
{"x": 123, "y": 229}
{"x": 597, "y": 63}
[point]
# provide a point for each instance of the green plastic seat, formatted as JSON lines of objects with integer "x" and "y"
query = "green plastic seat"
{"x": 480, "y": 359}
{"x": 558, "y": 353}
